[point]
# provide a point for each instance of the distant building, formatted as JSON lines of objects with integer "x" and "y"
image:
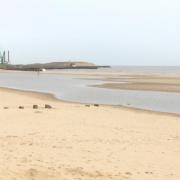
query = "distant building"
{"x": 43, "y": 70}
{"x": 4, "y": 57}
{"x": 73, "y": 65}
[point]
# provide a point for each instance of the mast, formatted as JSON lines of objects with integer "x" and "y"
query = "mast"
{"x": 8, "y": 60}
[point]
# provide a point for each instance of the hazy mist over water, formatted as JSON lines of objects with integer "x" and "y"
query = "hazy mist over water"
{"x": 163, "y": 70}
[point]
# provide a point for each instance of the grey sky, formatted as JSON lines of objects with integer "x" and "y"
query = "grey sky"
{"x": 124, "y": 32}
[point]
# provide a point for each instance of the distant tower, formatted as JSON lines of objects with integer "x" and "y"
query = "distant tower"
{"x": 3, "y": 58}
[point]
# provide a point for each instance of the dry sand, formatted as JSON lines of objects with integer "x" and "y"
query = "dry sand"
{"x": 74, "y": 142}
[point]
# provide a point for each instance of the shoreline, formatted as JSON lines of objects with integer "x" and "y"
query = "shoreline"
{"x": 160, "y": 83}
{"x": 132, "y": 82}
{"x": 108, "y": 75}
{"x": 52, "y": 98}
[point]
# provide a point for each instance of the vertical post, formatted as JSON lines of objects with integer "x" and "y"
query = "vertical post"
{"x": 8, "y": 56}
{"x": 4, "y": 57}
{"x": 0, "y": 57}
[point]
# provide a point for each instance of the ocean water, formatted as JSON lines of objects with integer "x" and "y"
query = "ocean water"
{"x": 76, "y": 89}
{"x": 157, "y": 70}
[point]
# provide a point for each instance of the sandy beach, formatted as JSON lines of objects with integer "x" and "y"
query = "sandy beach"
{"x": 89, "y": 90}
{"x": 72, "y": 141}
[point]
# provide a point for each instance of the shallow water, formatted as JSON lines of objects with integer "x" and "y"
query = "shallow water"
{"x": 78, "y": 90}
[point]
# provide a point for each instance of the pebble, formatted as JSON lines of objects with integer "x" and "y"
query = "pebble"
{"x": 35, "y": 106}
{"x": 47, "y": 106}
{"x": 21, "y": 107}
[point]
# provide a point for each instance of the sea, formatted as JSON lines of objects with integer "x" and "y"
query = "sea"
{"x": 78, "y": 89}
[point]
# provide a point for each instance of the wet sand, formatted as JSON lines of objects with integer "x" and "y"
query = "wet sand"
{"x": 145, "y": 83}
{"x": 72, "y": 141}
{"x": 167, "y": 82}
{"x": 125, "y": 81}
{"x": 163, "y": 87}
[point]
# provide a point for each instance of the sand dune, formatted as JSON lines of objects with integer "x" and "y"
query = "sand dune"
{"x": 75, "y": 142}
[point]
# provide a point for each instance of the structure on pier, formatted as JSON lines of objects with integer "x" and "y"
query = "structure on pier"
{"x": 4, "y": 57}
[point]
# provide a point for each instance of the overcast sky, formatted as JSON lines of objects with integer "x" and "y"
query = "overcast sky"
{"x": 124, "y": 32}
